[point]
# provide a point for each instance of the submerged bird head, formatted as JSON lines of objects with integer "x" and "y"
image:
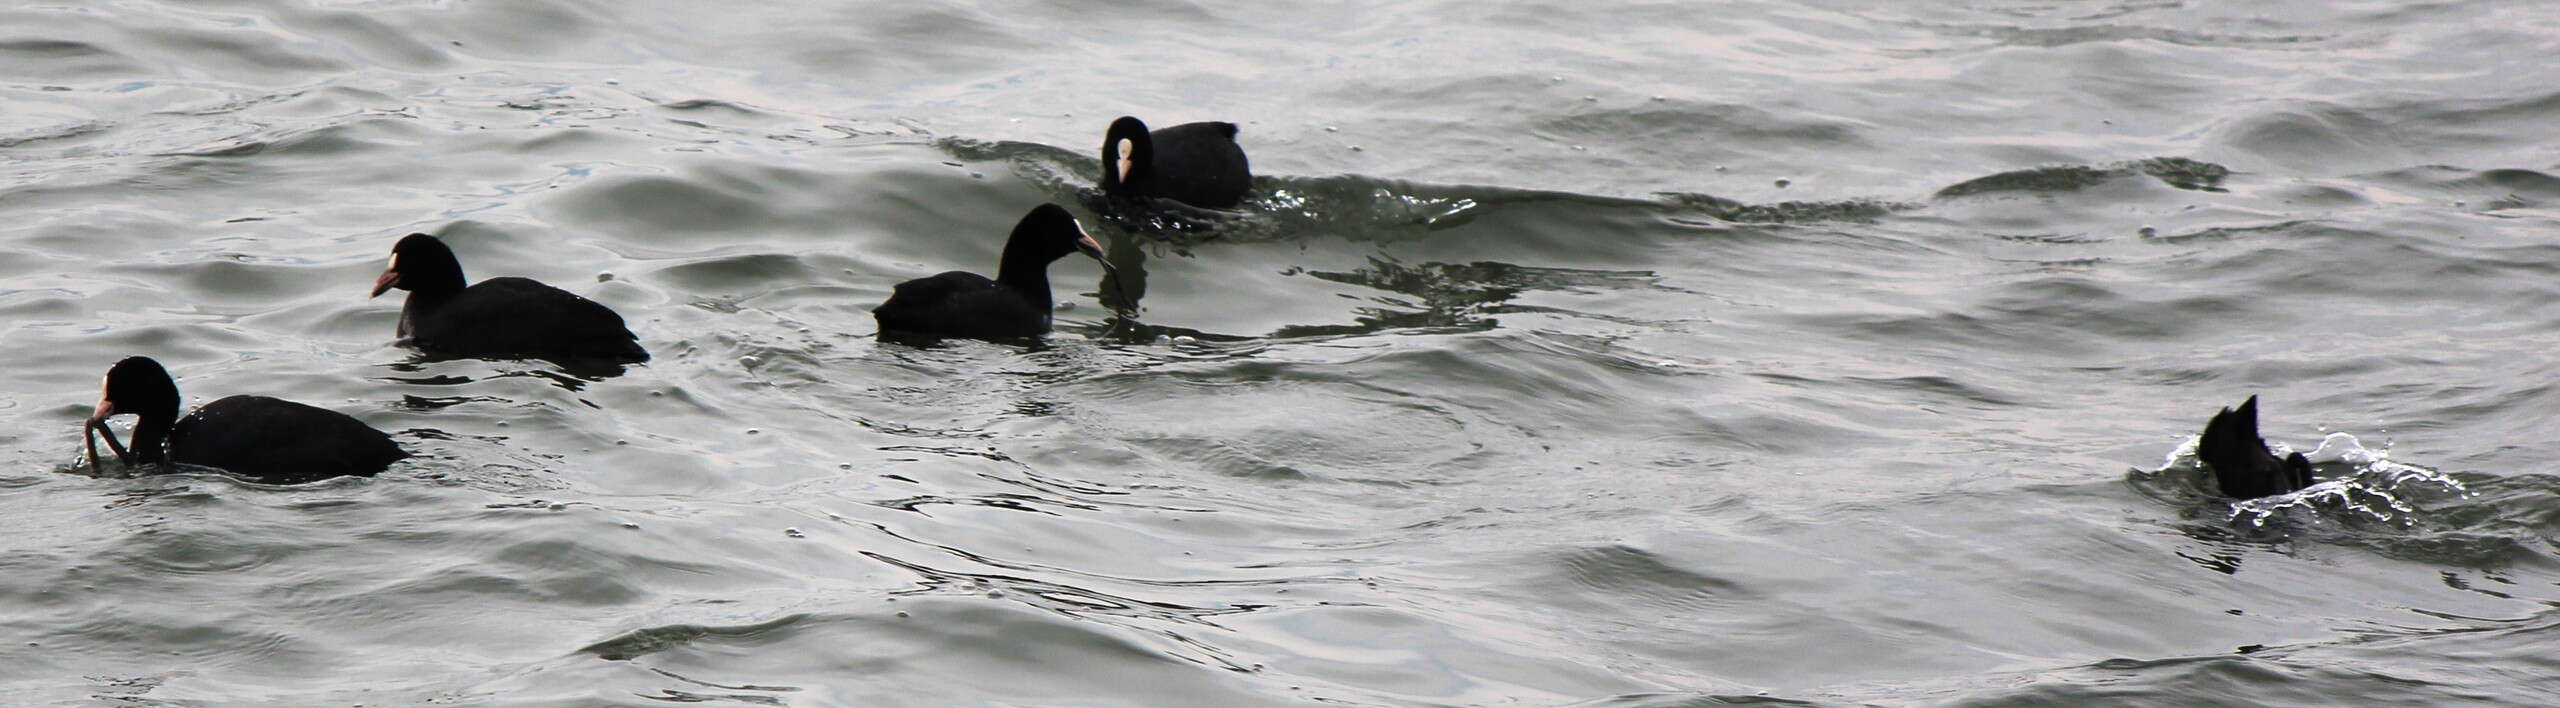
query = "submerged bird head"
{"x": 420, "y": 264}
{"x": 2297, "y": 470}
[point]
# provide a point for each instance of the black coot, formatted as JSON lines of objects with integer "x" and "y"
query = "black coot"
{"x": 256, "y": 437}
{"x": 2239, "y": 458}
{"x": 1014, "y": 305}
{"x": 498, "y": 317}
{"x": 1194, "y": 163}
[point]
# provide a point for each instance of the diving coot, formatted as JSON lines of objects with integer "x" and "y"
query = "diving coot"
{"x": 1013, "y": 305}
{"x": 498, "y": 317}
{"x": 2240, "y": 460}
{"x": 1194, "y": 163}
{"x": 256, "y": 437}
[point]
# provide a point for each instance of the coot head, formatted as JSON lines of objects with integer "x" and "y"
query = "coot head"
{"x": 420, "y": 264}
{"x": 1126, "y": 149}
{"x": 140, "y": 387}
{"x": 1046, "y": 234}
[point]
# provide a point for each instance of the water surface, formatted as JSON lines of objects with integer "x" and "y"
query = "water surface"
{"x": 1626, "y": 354}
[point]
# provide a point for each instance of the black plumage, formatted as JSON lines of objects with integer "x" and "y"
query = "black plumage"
{"x": 499, "y": 317}
{"x": 1198, "y": 164}
{"x": 2240, "y": 461}
{"x": 1014, "y": 305}
{"x": 255, "y": 437}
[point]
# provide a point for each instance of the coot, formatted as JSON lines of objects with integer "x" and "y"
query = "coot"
{"x": 1194, "y": 163}
{"x": 498, "y": 317}
{"x": 1014, "y": 305}
{"x": 2239, "y": 458}
{"x": 256, "y": 437}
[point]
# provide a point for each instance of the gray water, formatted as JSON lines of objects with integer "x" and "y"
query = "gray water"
{"x": 1623, "y": 354}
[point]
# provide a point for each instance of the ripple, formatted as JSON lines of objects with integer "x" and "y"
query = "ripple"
{"x": 1684, "y": 122}
{"x": 1223, "y": 428}
{"x": 665, "y": 205}
{"x": 63, "y": 132}
{"x": 65, "y": 59}
{"x": 650, "y": 640}
{"x": 2176, "y": 172}
{"x": 2048, "y": 37}
{"x": 2312, "y": 137}
{"x": 1651, "y": 582}
{"x": 1047, "y": 656}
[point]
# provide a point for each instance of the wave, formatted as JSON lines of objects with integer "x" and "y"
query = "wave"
{"x": 2179, "y": 172}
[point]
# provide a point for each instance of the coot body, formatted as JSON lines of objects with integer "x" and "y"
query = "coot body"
{"x": 499, "y": 317}
{"x": 255, "y": 437}
{"x": 1013, "y": 305}
{"x": 2240, "y": 461}
{"x": 1198, "y": 164}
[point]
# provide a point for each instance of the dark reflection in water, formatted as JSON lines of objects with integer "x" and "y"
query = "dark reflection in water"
{"x": 570, "y": 374}
{"x": 1162, "y": 220}
{"x": 573, "y": 376}
{"x": 1434, "y": 295}
{"x": 927, "y": 340}
{"x": 1124, "y": 285}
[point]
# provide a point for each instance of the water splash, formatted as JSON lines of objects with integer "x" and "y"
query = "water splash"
{"x": 2378, "y": 488}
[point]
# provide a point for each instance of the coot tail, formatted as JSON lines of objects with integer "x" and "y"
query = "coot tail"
{"x": 2240, "y": 461}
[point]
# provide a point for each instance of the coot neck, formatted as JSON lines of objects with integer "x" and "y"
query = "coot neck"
{"x": 151, "y": 437}
{"x": 424, "y": 300}
{"x": 1135, "y": 183}
{"x": 1026, "y": 270}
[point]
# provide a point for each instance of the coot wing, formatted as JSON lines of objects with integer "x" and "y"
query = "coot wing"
{"x": 523, "y": 317}
{"x": 280, "y": 442}
{"x": 1200, "y": 164}
{"x": 960, "y": 304}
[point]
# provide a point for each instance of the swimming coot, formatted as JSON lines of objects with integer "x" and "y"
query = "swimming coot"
{"x": 498, "y": 317}
{"x": 256, "y": 437}
{"x": 2239, "y": 458}
{"x": 1194, "y": 163}
{"x": 1013, "y": 305}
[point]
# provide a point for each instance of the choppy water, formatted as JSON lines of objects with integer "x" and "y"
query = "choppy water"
{"x": 1626, "y": 354}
